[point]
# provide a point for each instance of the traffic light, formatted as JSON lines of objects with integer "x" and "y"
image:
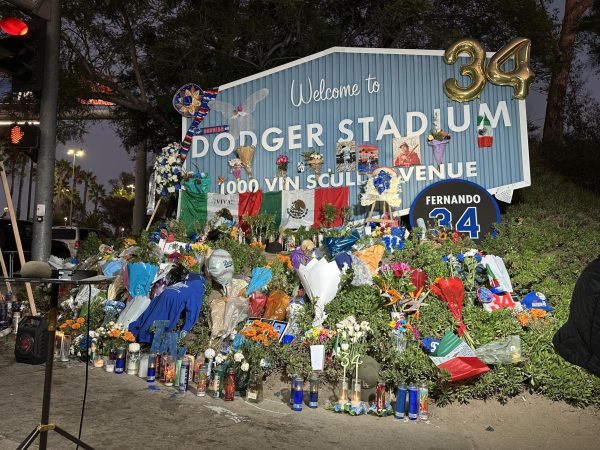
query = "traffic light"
{"x": 22, "y": 56}
{"x": 24, "y": 137}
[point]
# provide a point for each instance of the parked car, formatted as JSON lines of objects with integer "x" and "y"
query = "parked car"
{"x": 73, "y": 236}
{"x": 9, "y": 246}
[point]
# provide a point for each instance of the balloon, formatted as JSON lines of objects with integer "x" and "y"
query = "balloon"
{"x": 474, "y": 70}
{"x": 220, "y": 267}
{"x": 521, "y": 77}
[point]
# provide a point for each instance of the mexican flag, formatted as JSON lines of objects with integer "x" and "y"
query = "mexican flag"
{"x": 291, "y": 209}
{"x": 485, "y": 132}
{"x": 457, "y": 358}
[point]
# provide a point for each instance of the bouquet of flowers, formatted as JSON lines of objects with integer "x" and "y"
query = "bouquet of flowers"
{"x": 400, "y": 327}
{"x": 114, "y": 335}
{"x": 70, "y": 326}
{"x": 469, "y": 268}
{"x": 314, "y": 160}
{"x": 351, "y": 342}
{"x": 317, "y": 335}
{"x": 236, "y": 167}
{"x": 258, "y": 335}
{"x": 395, "y": 283}
{"x": 167, "y": 170}
{"x": 437, "y": 140}
{"x": 282, "y": 164}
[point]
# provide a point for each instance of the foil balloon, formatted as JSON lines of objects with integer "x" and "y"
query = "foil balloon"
{"x": 220, "y": 267}
{"x": 521, "y": 76}
{"x": 474, "y": 70}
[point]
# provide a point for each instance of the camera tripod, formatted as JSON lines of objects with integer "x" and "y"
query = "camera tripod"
{"x": 45, "y": 426}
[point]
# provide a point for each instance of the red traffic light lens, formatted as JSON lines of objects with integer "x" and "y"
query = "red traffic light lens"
{"x": 13, "y": 26}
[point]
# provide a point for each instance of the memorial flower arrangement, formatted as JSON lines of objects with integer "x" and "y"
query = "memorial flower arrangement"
{"x": 236, "y": 167}
{"x": 315, "y": 160}
{"x": 282, "y": 164}
{"x": 168, "y": 170}
{"x": 114, "y": 335}
{"x": 71, "y": 326}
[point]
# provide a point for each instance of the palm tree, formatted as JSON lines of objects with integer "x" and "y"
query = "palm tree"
{"x": 97, "y": 192}
{"x": 62, "y": 173}
{"x": 88, "y": 179}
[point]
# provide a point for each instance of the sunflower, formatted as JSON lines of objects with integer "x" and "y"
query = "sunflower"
{"x": 442, "y": 236}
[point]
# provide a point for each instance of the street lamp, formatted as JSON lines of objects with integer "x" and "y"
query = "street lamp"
{"x": 76, "y": 154}
{"x": 132, "y": 187}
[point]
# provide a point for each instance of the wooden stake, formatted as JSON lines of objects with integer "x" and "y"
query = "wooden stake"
{"x": 153, "y": 213}
{"x": 13, "y": 220}
{"x": 4, "y": 271}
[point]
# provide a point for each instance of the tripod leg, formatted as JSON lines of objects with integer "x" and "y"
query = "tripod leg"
{"x": 52, "y": 322}
{"x": 72, "y": 438}
{"x": 29, "y": 439}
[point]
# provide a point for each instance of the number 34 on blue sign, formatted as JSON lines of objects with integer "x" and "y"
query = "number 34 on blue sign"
{"x": 467, "y": 223}
{"x": 456, "y": 204}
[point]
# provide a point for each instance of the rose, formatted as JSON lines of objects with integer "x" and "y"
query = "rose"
{"x": 209, "y": 353}
{"x": 245, "y": 366}
{"x": 238, "y": 357}
{"x": 219, "y": 359}
{"x": 345, "y": 347}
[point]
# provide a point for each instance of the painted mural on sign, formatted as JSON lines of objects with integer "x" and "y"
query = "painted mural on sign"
{"x": 338, "y": 103}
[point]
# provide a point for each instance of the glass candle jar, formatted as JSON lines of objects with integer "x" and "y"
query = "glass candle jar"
{"x": 202, "y": 381}
{"x": 169, "y": 369}
{"x": 254, "y": 394}
{"x": 151, "y": 373}
{"x": 184, "y": 374}
{"x": 133, "y": 358}
{"x": 120, "y": 361}
{"x": 143, "y": 365}
{"x": 380, "y": 396}
{"x": 313, "y": 395}
{"x": 229, "y": 385}
{"x": 58, "y": 338}
{"x": 356, "y": 392}
{"x": 343, "y": 398}
{"x": 298, "y": 394}
{"x": 65, "y": 347}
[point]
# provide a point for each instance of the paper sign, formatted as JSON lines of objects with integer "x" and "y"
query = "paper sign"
{"x": 500, "y": 301}
{"x": 504, "y": 194}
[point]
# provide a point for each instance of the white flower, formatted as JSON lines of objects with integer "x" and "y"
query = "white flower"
{"x": 238, "y": 357}
{"x": 351, "y": 332}
{"x": 339, "y": 325}
{"x": 209, "y": 353}
{"x": 344, "y": 335}
{"x": 345, "y": 347}
{"x": 471, "y": 252}
{"x": 219, "y": 359}
{"x": 245, "y": 366}
{"x": 111, "y": 323}
{"x": 364, "y": 325}
{"x": 356, "y": 327}
{"x": 359, "y": 334}
{"x": 263, "y": 363}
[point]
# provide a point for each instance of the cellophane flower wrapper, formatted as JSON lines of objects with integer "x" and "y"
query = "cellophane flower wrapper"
{"x": 451, "y": 291}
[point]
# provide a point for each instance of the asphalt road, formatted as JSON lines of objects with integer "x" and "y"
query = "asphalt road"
{"x": 122, "y": 413}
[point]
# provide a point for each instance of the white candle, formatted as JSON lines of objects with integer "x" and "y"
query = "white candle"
{"x": 143, "y": 370}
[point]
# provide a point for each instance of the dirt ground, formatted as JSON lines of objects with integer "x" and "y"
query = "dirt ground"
{"x": 122, "y": 413}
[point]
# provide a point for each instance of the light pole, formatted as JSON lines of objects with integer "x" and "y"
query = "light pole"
{"x": 132, "y": 187}
{"x": 76, "y": 154}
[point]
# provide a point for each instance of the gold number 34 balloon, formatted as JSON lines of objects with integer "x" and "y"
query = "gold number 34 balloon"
{"x": 520, "y": 77}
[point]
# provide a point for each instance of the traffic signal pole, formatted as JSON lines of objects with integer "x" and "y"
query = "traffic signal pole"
{"x": 44, "y": 189}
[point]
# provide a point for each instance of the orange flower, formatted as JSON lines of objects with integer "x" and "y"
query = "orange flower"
{"x": 63, "y": 325}
{"x": 80, "y": 320}
{"x": 129, "y": 337}
{"x": 538, "y": 313}
{"x": 286, "y": 261}
{"x": 76, "y": 326}
{"x": 68, "y": 322}
{"x": 523, "y": 319}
